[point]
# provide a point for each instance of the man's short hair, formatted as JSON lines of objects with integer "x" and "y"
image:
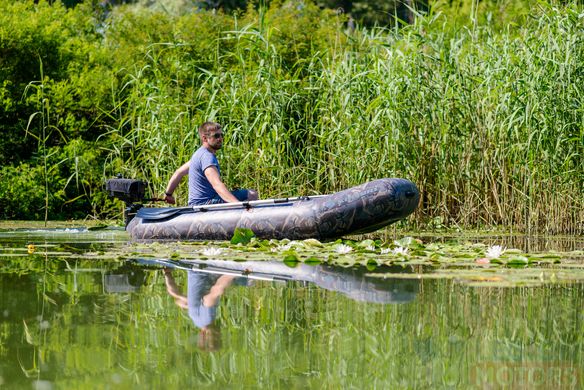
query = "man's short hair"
{"x": 208, "y": 128}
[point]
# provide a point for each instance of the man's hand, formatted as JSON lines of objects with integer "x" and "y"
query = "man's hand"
{"x": 169, "y": 199}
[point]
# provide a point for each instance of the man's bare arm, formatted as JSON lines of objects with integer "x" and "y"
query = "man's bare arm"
{"x": 212, "y": 174}
{"x": 177, "y": 176}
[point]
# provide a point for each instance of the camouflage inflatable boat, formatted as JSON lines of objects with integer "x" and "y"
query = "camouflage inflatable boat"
{"x": 361, "y": 209}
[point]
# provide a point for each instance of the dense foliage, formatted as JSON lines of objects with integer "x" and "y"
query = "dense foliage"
{"x": 366, "y": 12}
{"x": 482, "y": 110}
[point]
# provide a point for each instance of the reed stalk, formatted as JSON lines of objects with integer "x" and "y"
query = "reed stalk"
{"x": 44, "y": 132}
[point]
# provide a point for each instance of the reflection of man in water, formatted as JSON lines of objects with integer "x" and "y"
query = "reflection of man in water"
{"x": 203, "y": 294}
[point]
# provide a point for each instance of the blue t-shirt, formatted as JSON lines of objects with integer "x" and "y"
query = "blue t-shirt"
{"x": 200, "y": 190}
{"x": 199, "y": 285}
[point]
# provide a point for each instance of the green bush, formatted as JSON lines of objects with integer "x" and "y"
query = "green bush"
{"x": 21, "y": 192}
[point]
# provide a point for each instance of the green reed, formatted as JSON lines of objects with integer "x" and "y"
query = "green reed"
{"x": 43, "y": 119}
{"x": 488, "y": 123}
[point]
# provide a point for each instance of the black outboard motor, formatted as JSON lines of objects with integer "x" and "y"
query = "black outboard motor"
{"x": 127, "y": 190}
{"x": 131, "y": 192}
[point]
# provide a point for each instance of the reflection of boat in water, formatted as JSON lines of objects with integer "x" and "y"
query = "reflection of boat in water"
{"x": 352, "y": 282}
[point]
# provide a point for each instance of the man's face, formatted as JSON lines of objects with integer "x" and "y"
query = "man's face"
{"x": 215, "y": 139}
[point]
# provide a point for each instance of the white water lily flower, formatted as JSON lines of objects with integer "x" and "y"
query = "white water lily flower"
{"x": 370, "y": 248}
{"x": 495, "y": 251}
{"x": 400, "y": 250}
{"x": 385, "y": 251}
{"x": 212, "y": 251}
{"x": 342, "y": 248}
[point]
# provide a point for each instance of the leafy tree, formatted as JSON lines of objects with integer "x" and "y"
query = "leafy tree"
{"x": 366, "y": 12}
{"x": 382, "y": 13}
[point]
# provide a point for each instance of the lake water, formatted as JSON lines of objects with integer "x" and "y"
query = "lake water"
{"x": 86, "y": 309}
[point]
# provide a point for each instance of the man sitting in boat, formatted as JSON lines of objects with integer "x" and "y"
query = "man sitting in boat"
{"x": 205, "y": 184}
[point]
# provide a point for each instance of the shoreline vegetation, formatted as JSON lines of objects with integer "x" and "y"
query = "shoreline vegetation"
{"x": 483, "y": 110}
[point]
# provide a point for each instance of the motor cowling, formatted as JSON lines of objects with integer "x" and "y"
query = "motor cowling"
{"x": 127, "y": 190}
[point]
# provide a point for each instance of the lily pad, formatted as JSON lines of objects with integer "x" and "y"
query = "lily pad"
{"x": 242, "y": 236}
{"x": 518, "y": 261}
{"x": 312, "y": 260}
{"x": 409, "y": 242}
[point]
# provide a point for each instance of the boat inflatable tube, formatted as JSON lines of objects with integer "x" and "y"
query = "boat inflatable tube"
{"x": 361, "y": 209}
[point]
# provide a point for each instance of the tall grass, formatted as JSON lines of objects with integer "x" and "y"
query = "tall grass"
{"x": 488, "y": 123}
{"x": 44, "y": 131}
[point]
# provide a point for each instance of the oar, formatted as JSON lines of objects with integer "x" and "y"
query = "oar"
{"x": 214, "y": 270}
{"x": 168, "y": 212}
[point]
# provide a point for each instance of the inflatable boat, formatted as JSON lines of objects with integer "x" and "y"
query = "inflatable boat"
{"x": 361, "y": 209}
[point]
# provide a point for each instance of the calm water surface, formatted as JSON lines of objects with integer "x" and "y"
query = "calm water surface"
{"x": 72, "y": 322}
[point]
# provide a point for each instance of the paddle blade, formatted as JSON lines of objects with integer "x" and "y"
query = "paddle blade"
{"x": 158, "y": 213}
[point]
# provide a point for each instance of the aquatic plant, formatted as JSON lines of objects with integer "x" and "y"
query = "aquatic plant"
{"x": 212, "y": 251}
{"x": 400, "y": 251}
{"x": 462, "y": 259}
{"x": 343, "y": 249}
{"x": 495, "y": 251}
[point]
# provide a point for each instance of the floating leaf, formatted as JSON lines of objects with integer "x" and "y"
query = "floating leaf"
{"x": 419, "y": 253}
{"x": 312, "y": 260}
{"x": 371, "y": 266}
{"x": 291, "y": 264}
{"x": 311, "y": 242}
{"x": 242, "y": 236}
{"x": 291, "y": 256}
{"x": 291, "y": 261}
{"x": 518, "y": 261}
{"x": 366, "y": 244}
{"x": 409, "y": 242}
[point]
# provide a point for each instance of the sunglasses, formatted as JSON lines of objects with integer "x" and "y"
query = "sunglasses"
{"x": 216, "y": 135}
